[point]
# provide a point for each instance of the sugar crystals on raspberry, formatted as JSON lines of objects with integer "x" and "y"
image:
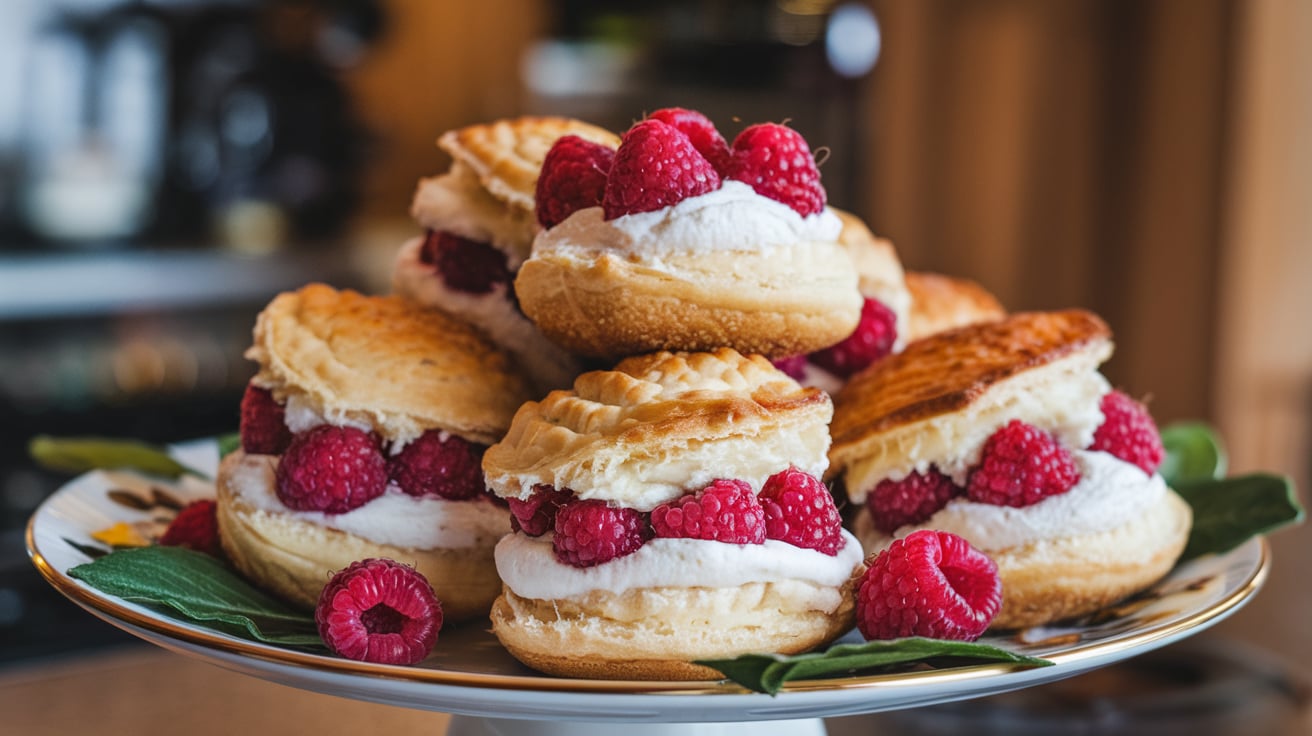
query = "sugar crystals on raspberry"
{"x": 331, "y": 469}
{"x": 656, "y": 166}
{"x": 724, "y": 511}
{"x": 590, "y": 532}
{"x": 776, "y": 162}
{"x": 573, "y": 177}
{"x": 931, "y": 584}
{"x": 1129, "y": 432}
{"x": 700, "y": 131}
{"x": 896, "y": 503}
{"x": 195, "y": 527}
{"x": 872, "y": 340}
{"x": 263, "y": 427}
{"x": 800, "y": 510}
{"x": 1021, "y": 465}
{"x": 438, "y": 464}
{"x": 378, "y": 610}
{"x": 537, "y": 514}
{"x": 463, "y": 264}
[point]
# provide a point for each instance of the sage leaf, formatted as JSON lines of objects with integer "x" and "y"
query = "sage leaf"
{"x": 80, "y": 454}
{"x": 1227, "y": 512}
{"x": 767, "y": 673}
{"x": 202, "y": 589}
{"x": 1193, "y": 454}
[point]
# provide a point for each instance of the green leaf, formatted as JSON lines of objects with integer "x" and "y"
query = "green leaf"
{"x": 228, "y": 443}
{"x": 1228, "y": 512}
{"x": 1193, "y": 453}
{"x": 80, "y": 454}
{"x": 200, "y": 588}
{"x": 767, "y": 673}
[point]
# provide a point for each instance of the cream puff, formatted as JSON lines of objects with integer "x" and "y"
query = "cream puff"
{"x": 480, "y": 222}
{"x": 666, "y": 511}
{"x": 940, "y": 302}
{"x": 362, "y": 434}
{"x": 688, "y": 244}
{"x": 1004, "y": 433}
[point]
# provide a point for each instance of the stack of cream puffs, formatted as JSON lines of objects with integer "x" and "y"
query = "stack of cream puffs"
{"x": 362, "y": 437}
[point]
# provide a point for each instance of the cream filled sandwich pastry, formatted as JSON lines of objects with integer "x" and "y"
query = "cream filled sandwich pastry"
{"x": 1006, "y": 434}
{"x": 479, "y": 222}
{"x": 666, "y": 511}
{"x": 362, "y": 436}
{"x": 683, "y": 242}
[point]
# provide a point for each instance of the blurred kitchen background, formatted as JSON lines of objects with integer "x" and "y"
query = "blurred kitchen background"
{"x": 167, "y": 166}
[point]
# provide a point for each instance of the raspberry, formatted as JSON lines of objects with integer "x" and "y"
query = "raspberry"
{"x": 872, "y": 340}
{"x": 931, "y": 584}
{"x": 1128, "y": 432}
{"x": 465, "y": 265}
{"x": 331, "y": 469}
{"x": 724, "y": 511}
{"x": 573, "y": 177}
{"x": 656, "y": 166}
{"x": 915, "y": 498}
{"x": 1021, "y": 465}
{"x": 195, "y": 527}
{"x": 434, "y": 465}
{"x": 377, "y": 610}
{"x": 775, "y": 160}
{"x": 263, "y": 429}
{"x": 538, "y": 514}
{"x": 799, "y": 510}
{"x": 590, "y": 532}
{"x": 794, "y": 366}
{"x": 701, "y": 133}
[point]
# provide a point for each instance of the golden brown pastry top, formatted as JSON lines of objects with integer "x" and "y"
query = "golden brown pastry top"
{"x": 941, "y": 302}
{"x": 386, "y": 362}
{"x": 946, "y": 372}
{"x": 507, "y": 154}
{"x": 658, "y": 424}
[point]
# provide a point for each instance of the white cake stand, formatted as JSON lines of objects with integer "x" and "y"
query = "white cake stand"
{"x": 489, "y": 693}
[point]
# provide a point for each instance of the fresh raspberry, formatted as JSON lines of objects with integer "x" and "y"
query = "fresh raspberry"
{"x": 793, "y": 365}
{"x": 1128, "y": 432}
{"x": 895, "y": 503}
{"x": 656, "y": 166}
{"x": 590, "y": 532}
{"x": 873, "y": 339}
{"x": 537, "y": 514}
{"x": 573, "y": 178}
{"x": 465, "y": 265}
{"x": 263, "y": 429}
{"x": 195, "y": 527}
{"x": 724, "y": 511}
{"x": 931, "y": 584}
{"x": 775, "y": 160}
{"x": 438, "y": 464}
{"x": 799, "y": 510}
{"x": 700, "y": 131}
{"x": 1021, "y": 465}
{"x": 378, "y": 610}
{"x": 331, "y": 469}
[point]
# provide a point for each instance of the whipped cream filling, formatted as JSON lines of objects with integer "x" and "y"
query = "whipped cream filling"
{"x": 550, "y": 366}
{"x": 300, "y": 415}
{"x": 529, "y": 567}
{"x": 1110, "y": 493}
{"x": 731, "y": 218}
{"x": 394, "y": 518}
{"x": 458, "y": 203}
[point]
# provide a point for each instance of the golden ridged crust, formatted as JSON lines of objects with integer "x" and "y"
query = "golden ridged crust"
{"x": 946, "y": 372}
{"x": 797, "y": 299}
{"x": 293, "y": 559}
{"x": 386, "y": 361}
{"x": 507, "y": 154}
{"x": 655, "y": 410}
{"x": 568, "y": 640}
{"x": 941, "y": 303}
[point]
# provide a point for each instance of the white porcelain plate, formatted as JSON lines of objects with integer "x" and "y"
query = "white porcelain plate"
{"x": 471, "y": 674}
